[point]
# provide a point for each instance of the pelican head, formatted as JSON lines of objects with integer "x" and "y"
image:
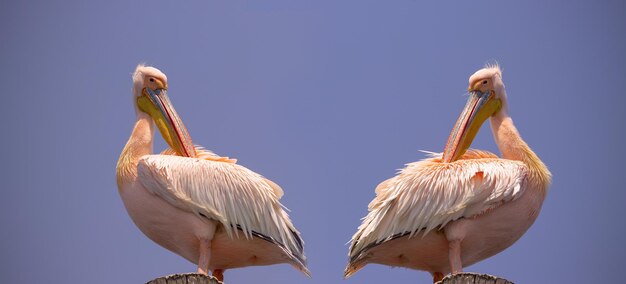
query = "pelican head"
{"x": 150, "y": 96}
{"x": 486, "y": 94}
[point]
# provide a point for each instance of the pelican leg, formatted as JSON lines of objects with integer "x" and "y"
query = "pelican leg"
{"x": 437, "y": 276}
{"x": 455, "y": 233}
{"x": 454, "y": 255}
{"x": 219, "y": 274}
{"x": 205, "y": 256}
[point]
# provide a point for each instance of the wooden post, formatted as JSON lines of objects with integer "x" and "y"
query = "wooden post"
{"x": 473, "y": 278}
{"x": 459, "y": 278}
{"x": 187, "y": 278}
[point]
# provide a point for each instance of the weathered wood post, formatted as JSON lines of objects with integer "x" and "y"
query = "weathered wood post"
{"x": 187, "y": 278}
{"x": 473, "y": 278}
{"x": 459, "y": 278}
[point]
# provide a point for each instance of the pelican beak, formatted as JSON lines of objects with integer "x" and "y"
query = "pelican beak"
{"x": 157, "y": 104}
{"x": 479, "y": 107}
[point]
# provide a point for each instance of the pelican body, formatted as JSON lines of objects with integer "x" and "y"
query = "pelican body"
{"x": 459, "y": 207}
{"x": 203, "y": 207}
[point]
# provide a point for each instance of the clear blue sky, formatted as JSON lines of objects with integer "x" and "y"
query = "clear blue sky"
{"x": 326, "y": 98}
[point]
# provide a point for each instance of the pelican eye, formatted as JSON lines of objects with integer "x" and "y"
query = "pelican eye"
{"x": 152, "y": 80}
{"x": 484, "y": 82}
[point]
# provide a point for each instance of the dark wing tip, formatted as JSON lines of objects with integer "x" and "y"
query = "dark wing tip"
{"x": 298, "y": 256}
{"x": 357, "y": 256}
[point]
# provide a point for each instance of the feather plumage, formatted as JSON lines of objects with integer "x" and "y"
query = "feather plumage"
{"x": 428, "y": 194}
{"x": 238, "y": 198}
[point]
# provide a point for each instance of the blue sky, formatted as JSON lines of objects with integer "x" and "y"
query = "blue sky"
{"x": 326, "y": 98}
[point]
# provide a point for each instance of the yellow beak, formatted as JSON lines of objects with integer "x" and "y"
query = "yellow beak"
{"x": 157, "y": 104}
{"x": 479, "y": 107}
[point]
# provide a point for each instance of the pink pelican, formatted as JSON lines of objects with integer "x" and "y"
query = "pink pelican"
{"x": 203, "y": 207}
{"x": 459, "y": 207}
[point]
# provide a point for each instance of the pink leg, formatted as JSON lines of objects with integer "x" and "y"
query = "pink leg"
{"x": 454, "y": 254}
{"x": 205, "y": 257}
{"x": 219, "y": 274}
{"x": 437, "y": 276}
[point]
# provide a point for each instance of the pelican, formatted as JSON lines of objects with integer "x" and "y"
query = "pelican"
{"x": 201, "y": 206}
{"x": 460, "y": 206}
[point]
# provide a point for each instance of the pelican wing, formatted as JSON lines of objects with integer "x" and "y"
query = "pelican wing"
{"x": 428, "y": 194}
{"x": 202, "y": 153}
{"x": 235, "y": 196}
{"x": 209, "y": 155}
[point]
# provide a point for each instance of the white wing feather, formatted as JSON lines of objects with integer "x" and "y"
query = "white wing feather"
{"x": 428, "y": 194}
{"x": 223, "y": 191}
